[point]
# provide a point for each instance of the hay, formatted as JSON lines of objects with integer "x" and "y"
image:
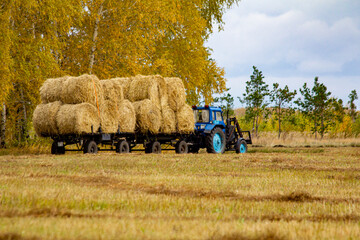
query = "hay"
{"x": 44, "y": 119}
{"x": 109, "y": 117}
{"x": 77, "y": 119}
{"x": 148, "y": 117}
{"x": 185, "y": 121}
{"x": 112, "y": 90}
{"x": 162, "y": 88}
{"x": 142, "y": 88}
{"x": 126, "y": 117}
{"x": 125, "y": 84}
{"x": 176, "y": 93}
{"x": 83, "y": 89}
{"x": 51, "y": 90}
{"x": 168, "y": 120}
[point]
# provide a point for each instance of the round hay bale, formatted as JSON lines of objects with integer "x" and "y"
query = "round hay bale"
{"x": 78, "y": 118}
{"x": 185, "y": 120}
{"x": 44, "y": 119}
{"x": 83, "y": 89}
{"x": 142, "y": 88}
{"x": 176, "y": 93}
{"x": 168, "y": 120}
{"x": 51, "y": 90}
{"x": 112, "y": 90}
{"x": 109, "y": 117}
{"x": 162, "y": 88}
{"x": 148, "y": 117}
{"x": 125, "y": 84}
{"x": 126, "y": 117}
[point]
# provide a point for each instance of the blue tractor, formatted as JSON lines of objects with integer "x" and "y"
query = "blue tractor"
{"x": 212, "y": 133}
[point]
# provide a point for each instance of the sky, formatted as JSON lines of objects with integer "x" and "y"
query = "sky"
{"x": 291, "y": 42}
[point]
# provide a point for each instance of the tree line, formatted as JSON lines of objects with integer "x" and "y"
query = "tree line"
{"x": 43, "y": 39}
{"x": 276, "y": 108}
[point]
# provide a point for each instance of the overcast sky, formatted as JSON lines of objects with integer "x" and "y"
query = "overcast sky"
{"x": 291, "y": 42}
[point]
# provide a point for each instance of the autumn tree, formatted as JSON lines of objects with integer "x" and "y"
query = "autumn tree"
{"x": 149, "y": 37}
{"x": 255, "y": 98}
{"x": 226, "y": 103}
{"x": 315, "y": 105}
{"x": 34, "y": 34}
{"x": 352, "y": 107}
{"x": 109, "y": 38}
{"x": 281, "y": 98}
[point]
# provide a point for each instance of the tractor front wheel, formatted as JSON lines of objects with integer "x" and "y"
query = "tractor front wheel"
{"x": 241, "y": 146}
{"x": 216, "y": 141}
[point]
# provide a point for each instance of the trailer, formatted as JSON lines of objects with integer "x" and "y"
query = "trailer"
{"x": 210, "y": 132}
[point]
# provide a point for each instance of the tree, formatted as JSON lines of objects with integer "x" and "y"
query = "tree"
{"x": 109, "y": 38}
{"x": 281, "y": 97}
{"x": 352, "y": 107}
{"x": 315, "y": 105}
{"x": 254, "y": 98}
{"x": 226, "y": 102}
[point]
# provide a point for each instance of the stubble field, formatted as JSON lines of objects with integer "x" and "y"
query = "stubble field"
{"x": 277, "y": 193}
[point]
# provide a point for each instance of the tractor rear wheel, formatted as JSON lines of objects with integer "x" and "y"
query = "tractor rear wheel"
{"x": 90, "y": 147}
{"x": 241, "y": 146}
{"x": 216, "y": 141}
{"x": 122, "y": 147}
{"x": 181, "y": 147}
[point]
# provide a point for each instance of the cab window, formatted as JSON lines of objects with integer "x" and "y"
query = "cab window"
{"x": 218, "y": 116}
{"x": 201, "y": 116}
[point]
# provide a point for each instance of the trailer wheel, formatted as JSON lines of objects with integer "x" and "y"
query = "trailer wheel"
{"x": 56, "y": 150}
{"x": 215, "y": 141}
{"x": 90, "y": 147}
{"x": 181, "y": 147}
{"x": 241, "y": 146}
{"x": 122, "y": 147}
{"x": 153, "y": 147}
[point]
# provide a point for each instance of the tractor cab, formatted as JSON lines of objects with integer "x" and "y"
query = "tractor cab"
{"x": 207, "y": 118}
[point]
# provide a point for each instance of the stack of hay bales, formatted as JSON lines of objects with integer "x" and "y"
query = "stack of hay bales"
{"x": 185, "y": 120}
{"x": 70, "y": 105}
{"x": 80, "y": 105}
{"x": 160, "y": 104}
{"x": 117, "y": 112}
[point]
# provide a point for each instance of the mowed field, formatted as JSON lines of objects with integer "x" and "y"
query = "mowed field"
{"x": 275, "y": 193}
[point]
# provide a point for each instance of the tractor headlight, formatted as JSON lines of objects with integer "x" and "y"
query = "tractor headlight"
{"x": 202, "y": 126}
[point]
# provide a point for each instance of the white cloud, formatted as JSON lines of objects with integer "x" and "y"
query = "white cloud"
{"x": 292, "y": 42}
{"x": 293, "y": 38}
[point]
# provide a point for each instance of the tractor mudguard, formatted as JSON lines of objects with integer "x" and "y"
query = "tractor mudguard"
{"x": 210, "y": 127}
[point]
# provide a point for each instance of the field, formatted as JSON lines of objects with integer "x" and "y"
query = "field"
{"x": 269, "y": 193}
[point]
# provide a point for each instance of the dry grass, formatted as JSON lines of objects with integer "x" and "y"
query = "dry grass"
{"x": 297, "y": 193}
{"x": 298, "y": 139}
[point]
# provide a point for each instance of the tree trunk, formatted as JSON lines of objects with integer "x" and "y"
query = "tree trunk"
{"x": 279, "y": 121}
{"x": 315, "y": 128}
{"x": 24, "y": 122}
{"x": 94, "y": 39}
{"x": 322, "y": 126}
{"x": 253, "y": 127}
{"x": 257, "y": 125}
{"x": 3, "y": 127}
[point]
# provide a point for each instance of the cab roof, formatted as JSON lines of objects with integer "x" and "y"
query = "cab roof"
{"x": 211, "y": 108}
